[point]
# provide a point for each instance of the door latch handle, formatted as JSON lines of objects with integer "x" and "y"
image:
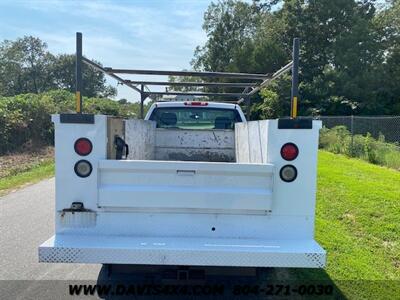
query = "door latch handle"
{"x": 186, "y": 172}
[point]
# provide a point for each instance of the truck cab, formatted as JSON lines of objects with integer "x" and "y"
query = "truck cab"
{"x": 195, "y": 115}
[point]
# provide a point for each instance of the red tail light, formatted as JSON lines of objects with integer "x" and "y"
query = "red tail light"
{"x": 289, "y": 151}
{"x": 83, "y": 146}
{"x": 196, "y": 103}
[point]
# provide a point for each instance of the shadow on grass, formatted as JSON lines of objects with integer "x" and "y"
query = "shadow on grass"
{"x": 346, "y": 288}
{"x": 170, "y": 282}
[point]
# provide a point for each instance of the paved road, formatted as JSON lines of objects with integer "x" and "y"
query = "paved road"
{"x": 26, "y": 221}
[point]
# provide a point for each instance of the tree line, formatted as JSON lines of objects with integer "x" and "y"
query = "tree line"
{"x": 25, "y": 122}
{"x": 349, "y": 61}
{"x": 26, "y": 66}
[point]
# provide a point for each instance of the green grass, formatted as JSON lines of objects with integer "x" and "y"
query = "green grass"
{"x": 32, "y": 175}
{"x": 358, "y": 223}
{"x": 377, "y": 151}
{"x": 359, "y": 203}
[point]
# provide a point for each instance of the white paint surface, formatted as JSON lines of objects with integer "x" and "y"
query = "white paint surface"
{"x": 171, "y": 212}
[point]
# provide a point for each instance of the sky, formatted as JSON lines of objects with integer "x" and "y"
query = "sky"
{"x": 136, "y": 34}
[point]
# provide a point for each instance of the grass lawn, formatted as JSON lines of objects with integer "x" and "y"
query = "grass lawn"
{"x": 358, "y": 223}
{"x": 33, "y": 174}
{"x": 358, "y": 213}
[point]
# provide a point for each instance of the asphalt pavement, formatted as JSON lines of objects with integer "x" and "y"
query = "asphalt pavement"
{"x": 26, "y": 221}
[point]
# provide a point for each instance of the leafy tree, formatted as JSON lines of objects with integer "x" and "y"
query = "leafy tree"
{"x": 228, "y": 25}
{"x": 339, "y": 51}
{"x": 94, "y": 82}
{"x": 26, "y": 66}
{"x": 123, "y": 101}
{"x": 388, "y": 23}
{"x": 25, "y": 122}
{"x": 349, "y": 52}
{"x": 184, "y": 79}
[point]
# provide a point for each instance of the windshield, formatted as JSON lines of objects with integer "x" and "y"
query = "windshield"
{"x": 195, "y": 118}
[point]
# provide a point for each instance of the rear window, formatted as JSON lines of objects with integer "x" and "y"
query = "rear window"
{"x": 195, "y": 118}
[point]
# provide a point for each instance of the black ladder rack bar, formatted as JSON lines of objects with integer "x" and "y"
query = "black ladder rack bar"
{"x": 78, "y": 73}
{"x": 267, "y": 81}
{"x": 217, "y": 84}
{"x": 278, "y": 73}
{"x": 295, "y": 79}
{"x": 101, "y": 69}
{"x": 195, "y": 94}
{"x": 189, "y": 73}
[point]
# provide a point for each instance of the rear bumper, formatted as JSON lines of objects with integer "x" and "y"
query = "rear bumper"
{"x": 182, "y": 251}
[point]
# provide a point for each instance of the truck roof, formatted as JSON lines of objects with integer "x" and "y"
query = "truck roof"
{"x": 206, "y": 104}
{"x": 197, "y": 104}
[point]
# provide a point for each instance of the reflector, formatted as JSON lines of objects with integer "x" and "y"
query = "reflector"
{"x": 83, "y": 146}
{"x": 289, "y": 151}
{"x": 288, "y": 173}
{"x": 83, "y": 168}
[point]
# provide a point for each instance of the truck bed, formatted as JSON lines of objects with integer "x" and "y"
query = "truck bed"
{"x": 143, "y": 210}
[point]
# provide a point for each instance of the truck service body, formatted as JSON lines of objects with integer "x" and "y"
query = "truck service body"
{"x": 191, "y": 184}
{"x": 195, "y": 185}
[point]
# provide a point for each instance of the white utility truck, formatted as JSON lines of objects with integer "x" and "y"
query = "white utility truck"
{"x": 191, "y": 184}
{"x": 200, "y": 186}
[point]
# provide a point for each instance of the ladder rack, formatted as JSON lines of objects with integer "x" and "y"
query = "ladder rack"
{"x": 250, "y": 83}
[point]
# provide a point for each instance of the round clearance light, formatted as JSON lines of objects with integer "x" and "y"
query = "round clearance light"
{"x": 83, "y": 168}
{"x": 83, "y": 146}
{"x": 288, "y": 173}
{"x": 289, "y": 151}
